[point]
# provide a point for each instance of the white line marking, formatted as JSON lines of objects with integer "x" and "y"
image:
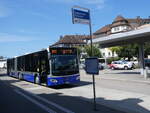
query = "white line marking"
{"x": 33, "y": 88}
{"x": 46, "y": 101}
{"x": 36, "y": 102}
{"x": 51, "y": 103}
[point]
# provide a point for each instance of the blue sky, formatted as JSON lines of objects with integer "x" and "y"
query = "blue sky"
{"x": 30, "y": 25}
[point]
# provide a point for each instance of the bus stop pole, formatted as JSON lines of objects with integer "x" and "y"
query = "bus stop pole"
{"x": 93, "y": 76}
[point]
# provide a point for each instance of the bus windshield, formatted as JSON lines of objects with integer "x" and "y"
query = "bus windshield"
{"x": 64, "y": 65}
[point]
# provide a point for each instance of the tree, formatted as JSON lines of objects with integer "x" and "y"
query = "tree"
{"x": 126, "y": 51}
{"x": 96, "y": 51}
{"x": 115, "y": 49}
{"x": 79, "y": 50}
{"x": 146, "y": 49}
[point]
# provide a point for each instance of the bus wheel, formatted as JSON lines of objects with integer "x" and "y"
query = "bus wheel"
{"x": 37, "y": 80}
{"x": 20, "y": 76}
{"x": 47, "y": 84}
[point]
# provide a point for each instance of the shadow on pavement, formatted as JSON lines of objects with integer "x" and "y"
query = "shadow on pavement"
{"x": 80, "y": 104}
{"x": 85, "y": 105}
{"x": 66, "y": 86}
{"x": 3, "y": 74}
{"x": 130, "y": 105}
{"x": 128, "y": 73}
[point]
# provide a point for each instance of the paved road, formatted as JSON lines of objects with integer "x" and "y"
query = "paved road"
{"x": 24, "y": 97}
{"x": 120, "y": 80}
{"x": 12, "y": 102}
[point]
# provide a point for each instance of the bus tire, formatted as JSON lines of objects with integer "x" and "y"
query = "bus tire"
{"x": 37, "y": 80}
{"x": 47, "y": 84}
{"x": 20, "y": 76}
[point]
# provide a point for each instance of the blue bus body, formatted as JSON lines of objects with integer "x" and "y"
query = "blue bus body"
{"x": 51, "y": 81}
{"x": 53, "y": 76}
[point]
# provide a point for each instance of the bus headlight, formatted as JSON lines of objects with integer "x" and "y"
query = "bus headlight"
{"x": 78, "y": 78}
{"x": 53, "y": 80}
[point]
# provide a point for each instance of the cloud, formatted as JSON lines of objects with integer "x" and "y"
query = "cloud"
{"x": 4, "y": 37}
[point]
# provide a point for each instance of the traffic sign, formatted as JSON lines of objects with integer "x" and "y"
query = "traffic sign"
{"x": 80, "y": 16}
{"x": 91, "y": 66}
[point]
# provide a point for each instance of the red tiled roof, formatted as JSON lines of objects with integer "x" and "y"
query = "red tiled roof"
{"x": 72, "y": 39}
{"x": 103, "y": 29}
{"x": 119, "y": 18}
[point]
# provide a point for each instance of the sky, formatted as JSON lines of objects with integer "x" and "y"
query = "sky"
{"x": 29, "y": 25}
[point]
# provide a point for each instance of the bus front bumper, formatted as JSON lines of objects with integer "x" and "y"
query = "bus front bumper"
{"x": 52, "y": 81}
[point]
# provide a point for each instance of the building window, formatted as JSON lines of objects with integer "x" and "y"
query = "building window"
{"x": 109, "y": 54}
{"x": 103, "y": 54}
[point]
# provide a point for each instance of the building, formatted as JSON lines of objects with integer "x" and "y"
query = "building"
{"x": 72, "y": 41}
{"x": 119, "y": 25}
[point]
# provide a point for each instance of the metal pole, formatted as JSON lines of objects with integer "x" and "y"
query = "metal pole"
{"x": 94, "y": 92}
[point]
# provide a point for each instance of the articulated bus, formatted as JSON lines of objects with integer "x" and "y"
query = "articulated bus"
{"x": 54, "y": 66}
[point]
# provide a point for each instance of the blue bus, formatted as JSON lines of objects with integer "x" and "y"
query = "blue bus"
{"x": 53, "y": 66}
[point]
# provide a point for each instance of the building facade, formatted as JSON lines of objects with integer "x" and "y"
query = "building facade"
{"x": 119, "y": 25}
{"x": 72, "y": 41}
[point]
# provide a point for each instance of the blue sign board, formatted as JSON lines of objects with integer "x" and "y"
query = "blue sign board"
{"x": 91, "y": 66}
{"x": 80, "y": 16}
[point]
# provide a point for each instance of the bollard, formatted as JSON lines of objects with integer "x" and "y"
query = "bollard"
{"x": 146, "y": 72}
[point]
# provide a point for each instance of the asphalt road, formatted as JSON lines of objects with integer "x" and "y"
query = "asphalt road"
{"x": 125, "y": 84}
{"x": 15, "y": 98}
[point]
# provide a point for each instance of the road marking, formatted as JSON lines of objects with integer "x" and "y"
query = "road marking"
{"x": 36, "y": 102}
{"x": 51, "y": 103}
{"x": 42, "y": 99}
{"x": 33, "y": 88}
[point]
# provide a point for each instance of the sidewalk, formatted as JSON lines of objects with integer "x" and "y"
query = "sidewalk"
{"x": 120, "y": 100}
{"x": 122, "y": 75}
{"x": 130, "y": 102}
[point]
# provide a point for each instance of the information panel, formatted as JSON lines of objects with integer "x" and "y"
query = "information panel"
{"x": 80, "y": 16}
{"x": 92, "y": 66}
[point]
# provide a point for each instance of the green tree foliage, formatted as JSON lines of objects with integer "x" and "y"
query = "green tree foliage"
{"x": 147, "y": 49}
{"x": 96, "y": 51}
{"x": 79, "y": 50}
{"x": 115, "y": 49}
{"x": 126, "y": 51}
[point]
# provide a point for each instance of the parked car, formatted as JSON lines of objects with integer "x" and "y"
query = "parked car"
{"x": 101, "y": 67}
{"x": 121, "y": 65}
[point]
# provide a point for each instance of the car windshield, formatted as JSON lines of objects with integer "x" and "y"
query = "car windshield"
{"x": 64, "y": 65}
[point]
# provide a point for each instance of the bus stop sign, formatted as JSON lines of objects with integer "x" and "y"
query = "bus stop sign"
{"x": 80, "y": 16}
{"x": 91, "y": 66}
